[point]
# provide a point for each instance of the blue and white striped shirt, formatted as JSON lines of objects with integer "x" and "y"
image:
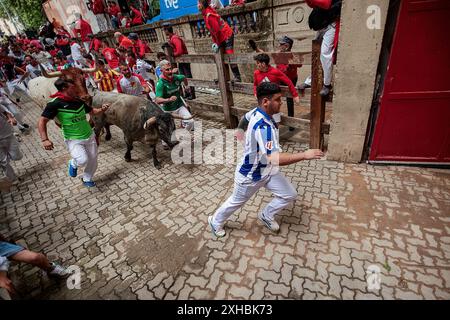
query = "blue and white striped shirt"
{"x": 261, "y": 140}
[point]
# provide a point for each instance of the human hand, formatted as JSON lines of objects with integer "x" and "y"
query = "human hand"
{"x": 6, "y": 283}
{"x": 11, "y": 120}
{"x": 47, "y": 144}
{"x": 240, "y": 135}
{"x": 173, "y": 98}
{"x": 312, "y": 154}
{"x": 105, "y": 107}
{"x": 297, "y": 101}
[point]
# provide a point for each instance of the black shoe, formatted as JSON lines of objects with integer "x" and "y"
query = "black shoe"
{"x": 291, "y": 129}
{"x": 26, "y": 126}
{"x": 325, "y": 91}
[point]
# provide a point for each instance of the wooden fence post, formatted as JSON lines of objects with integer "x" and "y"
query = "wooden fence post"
{"x": 223, "y": 74}
{"x": 317, "y": 101}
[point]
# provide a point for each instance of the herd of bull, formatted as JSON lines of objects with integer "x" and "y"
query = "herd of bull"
{"x": 139, "y": 118}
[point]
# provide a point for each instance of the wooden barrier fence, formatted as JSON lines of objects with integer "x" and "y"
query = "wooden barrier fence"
{"x": 231, "y": 113}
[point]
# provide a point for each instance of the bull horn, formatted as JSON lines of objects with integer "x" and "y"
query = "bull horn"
{"x": 176, "y": 116}
{"x": 49, "y": 74}
{"x": 149, "y": 122}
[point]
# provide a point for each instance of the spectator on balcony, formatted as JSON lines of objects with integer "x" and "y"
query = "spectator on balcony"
{"x": 237, "y": 3}
{"x": 266, "y": 73}
{"x": 98, "y": 8}
{"x": 290, "y": 70}
{"x": 136, "y": 17}
{"x": 221, "y": 33}
{"x": 179, "y": 49}
{"x": 140, "y": 47}
{"x": 125, "y": 21}
{"x": 326, "y": 21}
{"x": 123, "y": 41}
{"x": 83, "y": 29}
{"x": 113, "y": 11}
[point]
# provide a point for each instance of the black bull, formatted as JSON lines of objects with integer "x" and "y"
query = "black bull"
{"x": 139, "y": 119}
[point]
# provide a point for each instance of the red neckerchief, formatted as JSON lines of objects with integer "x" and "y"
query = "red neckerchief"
{"x": 170, "y": 80}
{"x": 62, "y": 96}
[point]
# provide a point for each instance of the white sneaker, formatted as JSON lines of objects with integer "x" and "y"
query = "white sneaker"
{"x": 219, "y": 232}
{"x": 59, "y": 271}
{"x": 270, "y": 224}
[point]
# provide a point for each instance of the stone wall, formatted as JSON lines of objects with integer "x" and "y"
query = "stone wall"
{"x": 358, "y": 56}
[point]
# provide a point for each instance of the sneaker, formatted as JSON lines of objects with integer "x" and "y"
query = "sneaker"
{"x": 271, "y": 225}
{"x": 26, "y": 126}
{"x": 325, "y": 91}
{"x": 219, "y": 233}
{"x": 72, "y": 170}
{"x": 89, "y": 184}
{"x": 59, "y": 271}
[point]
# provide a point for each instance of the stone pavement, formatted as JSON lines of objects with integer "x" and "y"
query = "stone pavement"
{"x": 143, "y": 233}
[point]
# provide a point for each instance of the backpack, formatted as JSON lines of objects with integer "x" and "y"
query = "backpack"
{"x": 321, "y": 18}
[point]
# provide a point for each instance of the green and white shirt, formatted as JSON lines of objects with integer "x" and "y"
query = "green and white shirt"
{"x": 72, "y": 116}
{"x": 165, "y": 89}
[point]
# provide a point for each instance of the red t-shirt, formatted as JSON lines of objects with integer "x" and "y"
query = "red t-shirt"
{"x": 275, "y": 76}
{"x": 219, "y": 29}
{"x": 95, "y": 44}
{"x": 178, "y": 45}
{"x": 111, "y": 57}
{"x": 98, "y": 7}
{"x": 125, "y": 42}
{"x": 290, "y": 70}
{"x": 85, "y": 29}
{"x": 137, "y": 19}
{"x": 114, "y": 10}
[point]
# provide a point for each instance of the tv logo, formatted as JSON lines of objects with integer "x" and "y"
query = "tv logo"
{"x": 171, "y": 3}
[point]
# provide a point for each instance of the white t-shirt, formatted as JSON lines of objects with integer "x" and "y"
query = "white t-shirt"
{"x": 34, "y": 71}
{"x": 143, "y": 69}
{"x": 75, "y": 50}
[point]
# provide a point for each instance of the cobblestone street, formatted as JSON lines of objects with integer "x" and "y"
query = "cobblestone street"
{"x": 143, "y": 233}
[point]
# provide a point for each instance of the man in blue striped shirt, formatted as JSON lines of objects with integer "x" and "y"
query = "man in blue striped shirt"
{"x": 260, "y": 164}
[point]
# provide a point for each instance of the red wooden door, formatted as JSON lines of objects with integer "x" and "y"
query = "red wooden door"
{"x": 413, "y": 123}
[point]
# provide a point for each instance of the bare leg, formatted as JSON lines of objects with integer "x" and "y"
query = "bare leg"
{"x": 33, "y": 258}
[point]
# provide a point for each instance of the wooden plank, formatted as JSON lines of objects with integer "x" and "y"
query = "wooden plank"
{"x": 203, "y": 83}
{"x": 196, "y": 58}
{"x": 223, "y": 73}
{"x": 247, "y": 88}
{"x": 239, "y": 112}
{"x": 275, "y": 58}
{"x": 317, "y": 102}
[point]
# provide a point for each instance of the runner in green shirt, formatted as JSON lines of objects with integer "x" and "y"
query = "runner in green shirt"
{"x": 168, "y": 94}
{"x": 78, "y": 134}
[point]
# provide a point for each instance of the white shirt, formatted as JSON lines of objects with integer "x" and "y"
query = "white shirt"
{"x": 142, "y": 68}
{"x": 131, "y": 86}
{"x": 75, "y": 51}
{"x": 261, "y": 140}
{"x": 34, "y": 71}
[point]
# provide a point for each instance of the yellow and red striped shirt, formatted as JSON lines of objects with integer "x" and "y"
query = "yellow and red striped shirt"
{"x": 107, "y": 83}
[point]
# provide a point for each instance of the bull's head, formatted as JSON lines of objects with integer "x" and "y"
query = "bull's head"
{"x": 77, "y": 76}
{"x": 166, "y": 126}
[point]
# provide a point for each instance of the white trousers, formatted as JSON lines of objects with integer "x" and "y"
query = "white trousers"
{"x": 281, "y": 188}
{"x": 327, "y": 52}
{"x": 9, "y": 150}
{"x": 84, "y": 154}
{"x": 184, "y": 112}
